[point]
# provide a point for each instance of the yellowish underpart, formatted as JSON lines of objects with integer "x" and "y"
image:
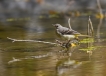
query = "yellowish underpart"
{"x": 72, "y": 44}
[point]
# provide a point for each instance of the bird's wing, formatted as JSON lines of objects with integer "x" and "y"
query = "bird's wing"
{"x": 70, "y": 32}
{"x": 62, "y": 30}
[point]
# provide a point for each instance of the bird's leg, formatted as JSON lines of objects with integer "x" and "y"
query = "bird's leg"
{"x": 67, "y": 44}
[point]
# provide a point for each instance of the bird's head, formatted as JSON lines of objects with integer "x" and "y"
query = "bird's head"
{"x": 56, "y": 25}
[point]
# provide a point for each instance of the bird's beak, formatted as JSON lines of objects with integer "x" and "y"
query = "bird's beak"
{"x": 54, "y": 25}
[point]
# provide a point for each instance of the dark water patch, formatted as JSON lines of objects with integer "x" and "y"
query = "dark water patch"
{"x": 1, "y": 30}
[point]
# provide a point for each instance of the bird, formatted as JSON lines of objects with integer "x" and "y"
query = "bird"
{"x": 67, "y": 33}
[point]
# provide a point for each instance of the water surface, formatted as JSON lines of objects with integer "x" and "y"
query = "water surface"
{"x": 40, "y": 59}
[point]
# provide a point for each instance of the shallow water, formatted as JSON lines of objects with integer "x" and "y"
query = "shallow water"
{"x": 40, "y": 59}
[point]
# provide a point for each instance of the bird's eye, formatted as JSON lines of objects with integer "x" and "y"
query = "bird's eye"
{"x": 56, "y": 25}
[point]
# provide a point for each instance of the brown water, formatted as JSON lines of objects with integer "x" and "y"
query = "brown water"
{"x": 40, "y": 59}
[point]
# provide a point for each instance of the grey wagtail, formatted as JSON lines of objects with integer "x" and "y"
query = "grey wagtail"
{"x": 67, "y": 32}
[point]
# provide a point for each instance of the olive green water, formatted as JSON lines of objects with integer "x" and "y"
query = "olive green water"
{"x": 40, "y": 59}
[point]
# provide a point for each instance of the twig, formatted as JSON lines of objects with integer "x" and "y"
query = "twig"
{"x": 30, "y": 57}
{"x": 14, "y": 60}
{"x": 100, "y": 22}
{"x": 69, "y": 23}
{"x": 91, "y": 27}
{"x": 59, "y": 43}
{"x": 98, "y": 30}
{"x": 14, "y": 40}
{"x": 99, "y": 6}
{"x": 88, "y": 31}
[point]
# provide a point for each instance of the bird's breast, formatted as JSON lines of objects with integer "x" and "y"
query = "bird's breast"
{"x": 69, "y": 36}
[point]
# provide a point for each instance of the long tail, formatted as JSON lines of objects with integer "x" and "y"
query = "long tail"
{"x": 84, "y": 35}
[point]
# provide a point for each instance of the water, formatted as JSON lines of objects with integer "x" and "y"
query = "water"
{"x": 40, "y": 59}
